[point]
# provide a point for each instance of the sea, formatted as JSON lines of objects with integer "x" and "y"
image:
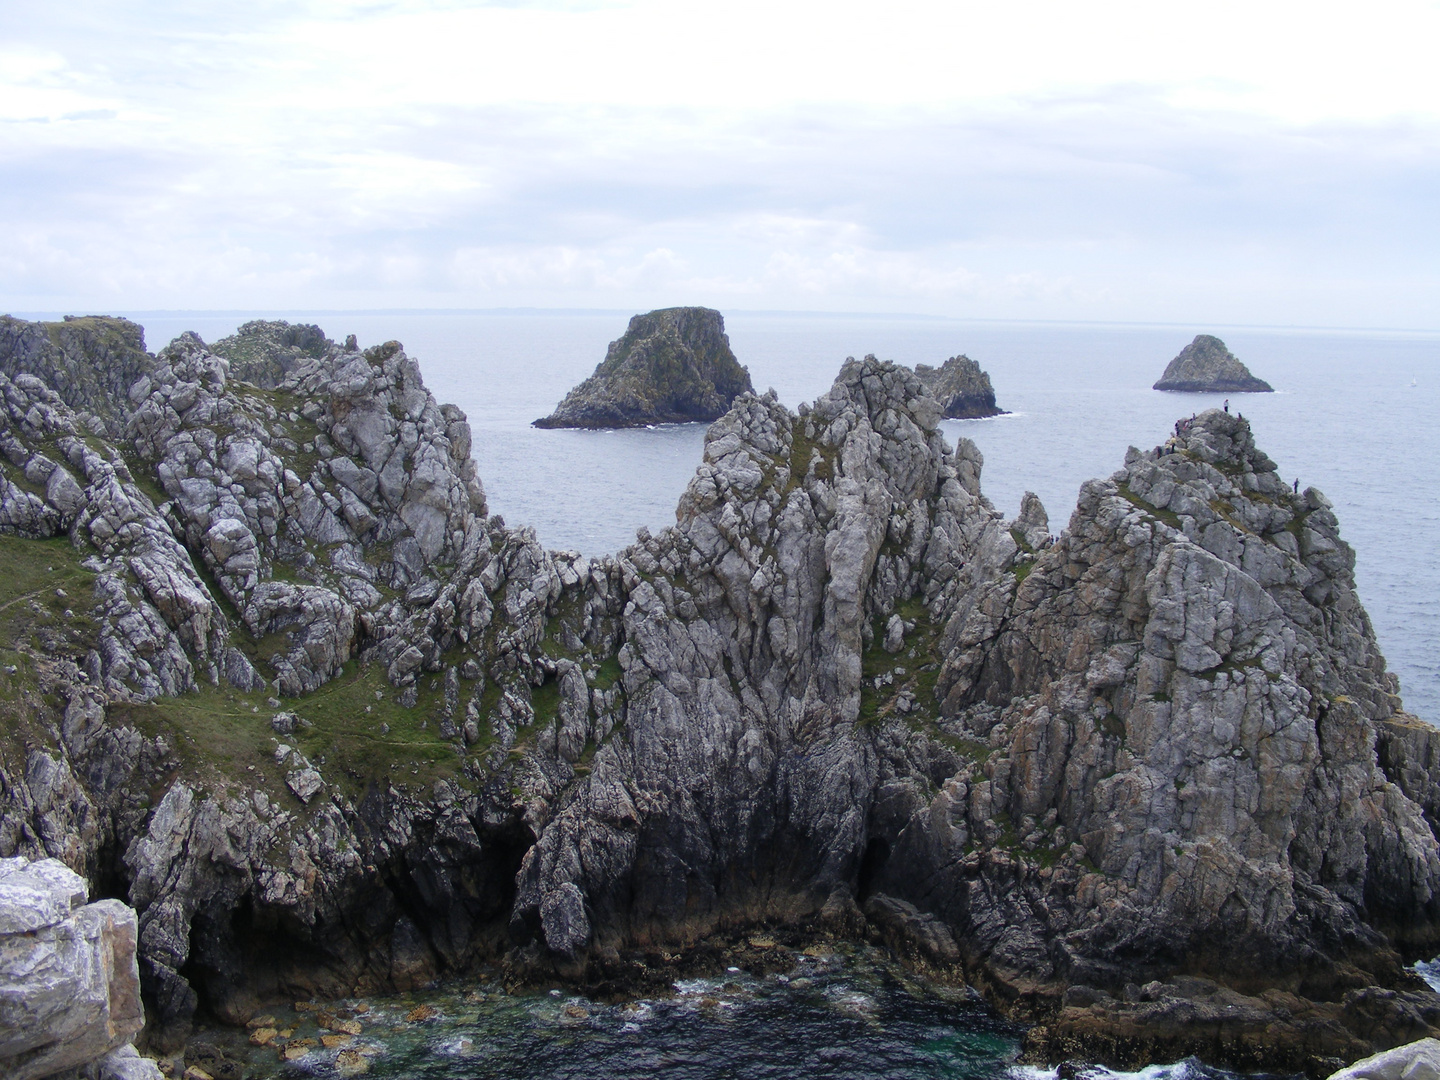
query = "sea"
{"x": 1355, "y": 414}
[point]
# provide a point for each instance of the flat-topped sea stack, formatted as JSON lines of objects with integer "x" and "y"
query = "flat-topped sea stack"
{"x": 962, "y": 388}
{"x": 1206, "y": 366}
{"x": 673, "y": 366}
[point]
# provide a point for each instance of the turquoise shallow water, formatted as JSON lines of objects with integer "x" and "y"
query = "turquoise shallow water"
{"x": 843, "y": 1015}
{"x": 1356, "y": 414}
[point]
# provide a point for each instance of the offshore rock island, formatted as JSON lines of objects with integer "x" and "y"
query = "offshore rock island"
{"x": 274, "y": 677}
{"x": 1207, "y": 366}
{"x": 672, "y": 366}
{"x": 962, "y": 388}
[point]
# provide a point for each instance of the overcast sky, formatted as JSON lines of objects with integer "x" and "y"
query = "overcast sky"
{"x": 1218, "y": 163}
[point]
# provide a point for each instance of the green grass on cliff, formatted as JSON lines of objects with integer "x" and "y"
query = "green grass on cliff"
{"x": 42, "y": 580}
{"x": 34, "y": 627}
{"x": 220, "y": 734}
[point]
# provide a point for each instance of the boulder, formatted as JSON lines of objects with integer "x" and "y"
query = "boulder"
{"x": 1419, "y": 1060}
{"x": 672, "y": 366}
{"x": 69, "y": 982}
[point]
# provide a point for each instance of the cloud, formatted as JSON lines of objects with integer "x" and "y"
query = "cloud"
{"x": 1118, "y": 161}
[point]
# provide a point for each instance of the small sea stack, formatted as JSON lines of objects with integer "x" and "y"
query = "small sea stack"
{"x": 673, "y": 366}
{"x": 1207, "y": 366}
{"x": 962, "y": 387}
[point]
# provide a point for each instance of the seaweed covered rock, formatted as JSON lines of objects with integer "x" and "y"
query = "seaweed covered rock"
{"x": 1207, "y": 366}
{"x": 962, "y": 388}
{"x": 672, "y": 366}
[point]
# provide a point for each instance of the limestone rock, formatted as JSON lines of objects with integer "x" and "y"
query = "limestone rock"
{"x": 69, "y": 984}
{"x": 961, "y": 387}
{"x": 264, "y": 352}
{"x": 1419, "y": 1060}
{"x": 1207, "y": 366}
{"x": 671, "y": 366}
{"x": 90, "y": 362}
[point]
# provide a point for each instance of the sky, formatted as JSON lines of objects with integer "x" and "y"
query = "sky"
{"x": 1224, "y": 163}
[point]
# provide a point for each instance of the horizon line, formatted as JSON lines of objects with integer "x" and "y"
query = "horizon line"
{"x": 784, "y": 313}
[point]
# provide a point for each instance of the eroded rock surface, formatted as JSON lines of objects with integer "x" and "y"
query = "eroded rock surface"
{"x": 332, "y": 730}
{"x": 69, "y": 985}
{"x": 1207, "y": 366}
{"x": 672, "y": 366}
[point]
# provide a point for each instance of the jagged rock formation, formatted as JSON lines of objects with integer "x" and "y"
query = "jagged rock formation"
{"x": 264, "y": 351}
{"x": 88, "y": 362}
{"x": 961, "y": 387}
{"x": 1207, "y": 366}
{"x": 672, "y": 366}
{"x": 69, "y": 985}
{"x": 1147, "y": 782}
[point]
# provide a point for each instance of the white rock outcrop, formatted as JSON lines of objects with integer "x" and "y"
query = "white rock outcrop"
{"x": 69, "y": 983}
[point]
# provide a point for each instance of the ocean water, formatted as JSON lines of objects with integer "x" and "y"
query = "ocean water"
{"x": 1356, "y": 415}
{"x": 848, "y": 1014}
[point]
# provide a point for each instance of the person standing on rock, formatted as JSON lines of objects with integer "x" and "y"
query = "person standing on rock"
{"x": 1297, "y": 485}
{"x": 1227, "y": 404}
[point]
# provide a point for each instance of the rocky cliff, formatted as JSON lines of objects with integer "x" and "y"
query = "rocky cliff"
{"x": 1207, "y": 366}
{"x": 671, "y": 366}
{"x": 330, "y": 729}
{"x": 961, "y": 387}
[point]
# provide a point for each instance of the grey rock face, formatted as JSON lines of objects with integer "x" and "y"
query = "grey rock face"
{"x": 671, "y": 367}
{"x": 264, "y": 352}
{"x": 1419, "y": 1060}
{"x": 841, "y": 691}
{"x": 69, "y": 984}
{"x": 89, "y": 362}
{"x": 961, "y": 387}
{"x": 1207, "y": 366}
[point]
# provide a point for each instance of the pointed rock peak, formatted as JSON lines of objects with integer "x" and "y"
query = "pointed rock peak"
{"x": 672, "y": 366}
{"x": 880, "y": 385}
{"x": 1207, "y": 366}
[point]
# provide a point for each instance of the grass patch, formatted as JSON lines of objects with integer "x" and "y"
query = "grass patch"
{"x": 220, "y": 732}
{"x": 1169, "y": 517}
{"x": 32, "y": 607}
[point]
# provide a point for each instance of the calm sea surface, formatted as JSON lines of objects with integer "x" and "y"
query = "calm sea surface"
{"x": 1356, "y": 414}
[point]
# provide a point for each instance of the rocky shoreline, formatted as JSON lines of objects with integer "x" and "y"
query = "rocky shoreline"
{"x": 272, "y": 674}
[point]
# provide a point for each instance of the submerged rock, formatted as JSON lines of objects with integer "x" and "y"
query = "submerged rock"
{"x": 672, "y": 366}
{"x": 961, "y": 387}
{"x": 1207, "y": 366}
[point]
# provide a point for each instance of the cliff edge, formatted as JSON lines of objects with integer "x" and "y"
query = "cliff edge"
{"x": 672, "y": 366}
{"x": 1207, "y": 366}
